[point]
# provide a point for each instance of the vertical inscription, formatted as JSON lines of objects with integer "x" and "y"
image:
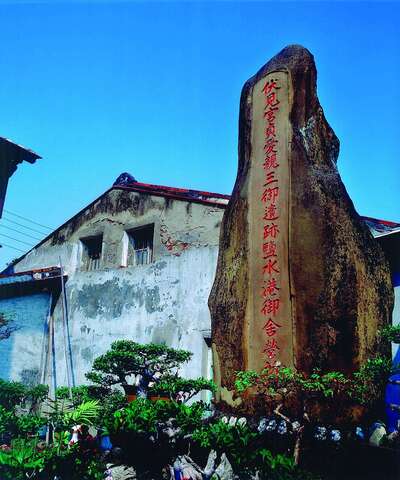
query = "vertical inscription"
{"x": 270, "y": 317}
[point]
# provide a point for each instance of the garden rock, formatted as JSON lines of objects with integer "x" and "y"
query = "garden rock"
{"x": 224, "y": 470}
{"x": 378, "y": 434}
{"x": 242, "y": 422}
{"x": 320, "y": 433}
{"x": 232, "y": 421}
{"x": 121, "y": 472}
{"x": 210, "y": 467}
{"x": 262, "y": 426}
{"x": 340, "y": 290}
{"x": 335, "y": 435}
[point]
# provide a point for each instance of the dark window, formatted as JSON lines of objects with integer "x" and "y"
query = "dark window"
{"x": 91, "y": 254}
{"x": 140, "y": 245}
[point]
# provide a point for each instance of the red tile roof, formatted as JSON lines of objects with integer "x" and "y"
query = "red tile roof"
{"x": 176, "y": 193}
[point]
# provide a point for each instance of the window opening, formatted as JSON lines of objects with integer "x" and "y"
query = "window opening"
{"x": 140, "y": 245}
{"x": 92, "y": 248}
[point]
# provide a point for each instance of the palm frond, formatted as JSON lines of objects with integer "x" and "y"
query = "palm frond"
{"x": 85, "y": 413}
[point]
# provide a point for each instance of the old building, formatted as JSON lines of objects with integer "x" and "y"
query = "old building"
{"x": 388, "y": 236}
{"x": 11, "y": 155}
{"x": 137, "y": 263}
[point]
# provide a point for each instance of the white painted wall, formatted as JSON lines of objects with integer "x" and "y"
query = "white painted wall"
{"x": 164, "y": 302}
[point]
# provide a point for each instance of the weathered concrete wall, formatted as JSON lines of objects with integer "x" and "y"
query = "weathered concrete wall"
{"x": 21, "y": 354}
{"x": 178, "y": 225}
{"x": 163, "y": 302}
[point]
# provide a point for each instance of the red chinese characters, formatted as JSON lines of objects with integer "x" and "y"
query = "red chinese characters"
{"x": 270, "y": 291}
{"x": 271, "y": 349}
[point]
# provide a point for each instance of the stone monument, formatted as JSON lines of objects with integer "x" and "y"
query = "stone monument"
{"x": 300, "y": 280}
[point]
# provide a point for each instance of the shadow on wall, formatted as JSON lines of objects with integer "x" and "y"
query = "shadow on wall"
{"x": 21, "y": 353}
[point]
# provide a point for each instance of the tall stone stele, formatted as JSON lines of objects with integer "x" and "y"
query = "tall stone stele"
{"x": 300, "y": 280}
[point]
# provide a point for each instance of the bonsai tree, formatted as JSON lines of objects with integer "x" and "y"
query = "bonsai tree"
{"x": 181, "y": 389}
{"x": 152, "y": 363}
{"x": 293, "y": 395}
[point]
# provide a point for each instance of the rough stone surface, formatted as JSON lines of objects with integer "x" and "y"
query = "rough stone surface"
{"x": 340, "y": 285}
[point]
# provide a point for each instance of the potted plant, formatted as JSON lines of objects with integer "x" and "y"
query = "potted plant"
{"x": 130, "y": 392}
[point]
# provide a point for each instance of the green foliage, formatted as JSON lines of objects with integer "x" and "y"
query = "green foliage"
{"x": 245, "y": 380}
{"x": 22, "y": 460}
{"x": 79, "y": 394}
{"x": 82, "y": 393}
{"x": 86, "y": 413}
{"x": 109, "y": 400}
{"x": 365, "y": 387}
{"x": 391, "y": 333}
{"x": 284, "y": 381}
{"x": 21, "y": 425}
{"x": 181, "y": 388}
{"x": 62, "y": 415}
{"x": 127, "y": 358}
{"x": 235, "y": 441}
{"x": 37, "y": 394}
{"x": 324, "y": 385}
{"x": 29, "y": 424}
{"x": 25, "y": 460}
{"x": 11, "y": 394}
{"x": 144, "y": 416}
{"x": 7, "y": 420}
{"x": 242, "y": 447}
{"x": 15, "y": 393}
{"x": 110, "y": 404}
{"x": 55, "y": 412}
{"x": 71, "y": 464}
{"x": 370, "y": 381}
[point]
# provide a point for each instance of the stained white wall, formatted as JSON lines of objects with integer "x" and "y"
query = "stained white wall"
{"x": 163, "y": 302}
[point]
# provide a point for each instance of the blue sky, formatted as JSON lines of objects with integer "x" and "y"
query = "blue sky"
{"x": 99, "y": 88}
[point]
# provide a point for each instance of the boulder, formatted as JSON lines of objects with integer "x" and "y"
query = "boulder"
{"x": 300, "y": 279}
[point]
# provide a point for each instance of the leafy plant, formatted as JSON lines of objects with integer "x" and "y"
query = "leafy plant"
{"x": 61, "y": 416}
{"x": 284, "y": 383}
{"x": 16, "y": 393}
{"x": 245, "y": 452}
{"x": 127, "y": 358}
{"x": 82, "y": 393}
{"x": 109, "y": 400}
{"x": 245, "y": 379}
{"x": 144, "y": 417}
{"x": 7, "y": 420}
{"x": 11, "y": 394}
{"x": 22, "y": 460}
{"x": 234, "y": 440}
{"x": 390, "y": 333}
{"x": 181, "y": 388}
{"x": 29, "y": 424}
{"x": 370, "y": 380}
{"x": 71, "y": 463}
{"x": 86, "y": 413}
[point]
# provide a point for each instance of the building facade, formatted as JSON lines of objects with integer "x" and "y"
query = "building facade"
{"x": 137, "y": 263}
{"x": 388, "y": 236}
